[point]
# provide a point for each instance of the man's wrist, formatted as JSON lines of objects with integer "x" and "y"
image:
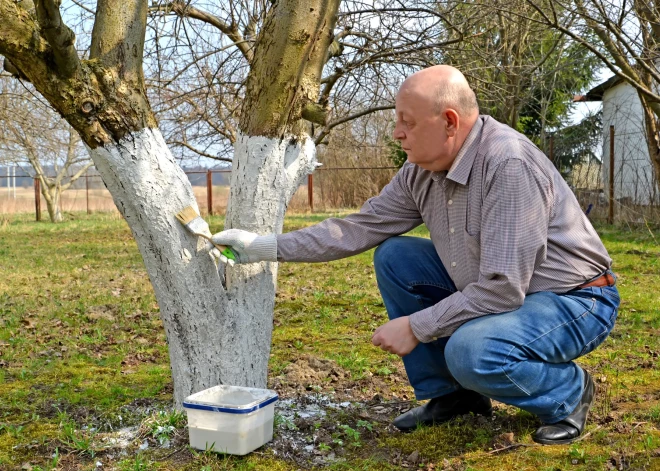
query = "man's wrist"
{"x": 265, "y": 248}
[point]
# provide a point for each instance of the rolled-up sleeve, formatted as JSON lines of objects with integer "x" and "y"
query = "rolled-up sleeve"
{"x": 391, "y": 213}
{"x": 516, "y": 211}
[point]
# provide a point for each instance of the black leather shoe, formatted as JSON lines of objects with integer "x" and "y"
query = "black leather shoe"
{"x": 568, "y": 430}
{"x": 444, "y": 408}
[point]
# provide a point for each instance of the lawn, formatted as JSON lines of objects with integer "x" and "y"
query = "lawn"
{"x": 85, "y": 381}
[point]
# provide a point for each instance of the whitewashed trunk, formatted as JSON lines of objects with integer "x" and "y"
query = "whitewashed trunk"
{"x": 216, "y": 334}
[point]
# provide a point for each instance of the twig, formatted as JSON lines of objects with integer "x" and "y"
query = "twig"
{"x": 515, "y": 445}
{"x": 386, "y": 404}
{"x": 173, "y": 453}
{"x": 587, "y": 434}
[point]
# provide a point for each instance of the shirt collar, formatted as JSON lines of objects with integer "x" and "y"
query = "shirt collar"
{"x": 460, "y": 169}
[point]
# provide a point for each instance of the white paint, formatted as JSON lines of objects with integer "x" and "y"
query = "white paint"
{"x": 265, "y": 175}
{"x": 633, "y": 170}
{"x": 215, "y": 335}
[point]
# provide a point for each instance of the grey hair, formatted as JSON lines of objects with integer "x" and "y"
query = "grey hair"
{"x": 457, "y": 95}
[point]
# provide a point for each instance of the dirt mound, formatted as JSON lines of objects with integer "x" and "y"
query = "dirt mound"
{"x": 309, "y": 373}
{"x": 312, "y": 374}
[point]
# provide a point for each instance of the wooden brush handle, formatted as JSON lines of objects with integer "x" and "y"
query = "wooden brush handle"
{"x": 218, "y": 246}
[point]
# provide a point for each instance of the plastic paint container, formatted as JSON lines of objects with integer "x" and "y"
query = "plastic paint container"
{"x": 230, "y": 419}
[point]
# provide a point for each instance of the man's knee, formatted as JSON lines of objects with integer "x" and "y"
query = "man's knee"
{"x": 472, "y": 359}
{"x": 388, "y": 254}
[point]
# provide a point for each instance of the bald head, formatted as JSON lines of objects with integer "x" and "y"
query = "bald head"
{"x": 444, "y": 87}
{"x": 435, "y": 111}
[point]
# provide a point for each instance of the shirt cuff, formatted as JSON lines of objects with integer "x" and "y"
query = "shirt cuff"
{"x": 279, "y": 252}
{"x": 423, "y": 324}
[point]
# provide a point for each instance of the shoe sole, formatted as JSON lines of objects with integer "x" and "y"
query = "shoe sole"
{"x": 556, "y": 442}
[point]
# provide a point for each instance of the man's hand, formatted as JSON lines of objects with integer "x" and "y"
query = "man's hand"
{"x": 248, "y": 246}
{"x": 395, "y": 337}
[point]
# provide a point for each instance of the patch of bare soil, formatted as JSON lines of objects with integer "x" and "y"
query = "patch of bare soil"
{"x": 312, "y": 374}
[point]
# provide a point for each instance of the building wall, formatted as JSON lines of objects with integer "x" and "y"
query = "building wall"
{"x": 633, "y": 171}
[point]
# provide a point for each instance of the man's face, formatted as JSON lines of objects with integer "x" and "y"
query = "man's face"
{"x": 422, "y": 131}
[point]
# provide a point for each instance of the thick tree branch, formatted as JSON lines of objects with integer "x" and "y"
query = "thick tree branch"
{"x": 77, "y": 175}
{"x": 118, "y": 37}
{"x": 20, "y": 42}
{"x": 59, "y": 36}
{"x": 12, "y": 70}
{"x": 315, "y": 113}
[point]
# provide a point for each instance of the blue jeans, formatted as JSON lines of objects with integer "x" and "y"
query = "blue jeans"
{"x": 522, "y": 357}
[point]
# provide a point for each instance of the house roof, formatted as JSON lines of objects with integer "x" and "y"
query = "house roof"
{"x": 596, "y": 93}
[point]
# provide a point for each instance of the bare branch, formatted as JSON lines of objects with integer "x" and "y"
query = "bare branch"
{"x": 326, "y": 130}
{"x": 59, "y": 36}
{"x": 77, "y": 175}
{"x": 200, "y": 152}
{"x": 184, "y": 10}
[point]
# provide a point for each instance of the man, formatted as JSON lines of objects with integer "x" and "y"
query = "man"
{"x": 513, "y": 285}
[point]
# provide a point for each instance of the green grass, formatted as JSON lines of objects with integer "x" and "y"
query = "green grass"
{"x": 83, "y": 353}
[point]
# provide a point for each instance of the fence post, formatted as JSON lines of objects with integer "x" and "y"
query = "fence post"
{"x": 37, "y": 198}
{"x": 87, "y": 192}
{"x": 209, "y": 191}
{"x": 610, "y": 213}
{"x": 310, "y": 191}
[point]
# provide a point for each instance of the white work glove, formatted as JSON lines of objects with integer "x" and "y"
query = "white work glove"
{"x": 247, "y": 246}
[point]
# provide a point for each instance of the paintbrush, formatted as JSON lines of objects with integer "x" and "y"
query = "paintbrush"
{"x": 198, "y": 226}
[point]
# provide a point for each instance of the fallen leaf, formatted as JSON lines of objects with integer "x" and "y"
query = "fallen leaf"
{"x": 29, "y": 323}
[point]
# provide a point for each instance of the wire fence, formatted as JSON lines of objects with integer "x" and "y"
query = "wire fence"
{"x": 325, "y": 189}
{"x": 632, "y": 196}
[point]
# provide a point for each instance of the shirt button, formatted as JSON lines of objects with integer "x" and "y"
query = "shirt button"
{"x": 451, "y": 230}
{"x": 450, "y": 202}
{"x": 453, "y": 264}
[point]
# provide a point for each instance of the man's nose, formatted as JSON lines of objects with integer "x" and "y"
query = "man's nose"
{"x": 398, "y": 134}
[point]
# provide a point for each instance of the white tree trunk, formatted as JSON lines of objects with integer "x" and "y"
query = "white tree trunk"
{"x": 216, "y": 334}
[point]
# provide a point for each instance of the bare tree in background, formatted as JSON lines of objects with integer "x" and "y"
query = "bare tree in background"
{"x": 524, "y": 72}
{"x": 202, "y": 52}
{"x": 628, "y": 44}
{"x": 32, "y": 134}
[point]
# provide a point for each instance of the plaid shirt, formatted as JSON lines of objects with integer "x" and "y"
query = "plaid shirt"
{"x": 502, "y": 219}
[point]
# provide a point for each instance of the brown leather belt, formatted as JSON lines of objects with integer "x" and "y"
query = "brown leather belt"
{"x": 604, "y": 280}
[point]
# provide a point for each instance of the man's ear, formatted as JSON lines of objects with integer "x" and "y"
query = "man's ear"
{"x": 451, "y": 118}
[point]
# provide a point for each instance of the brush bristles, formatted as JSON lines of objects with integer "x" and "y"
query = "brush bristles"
{"x": 187, "y": 214}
